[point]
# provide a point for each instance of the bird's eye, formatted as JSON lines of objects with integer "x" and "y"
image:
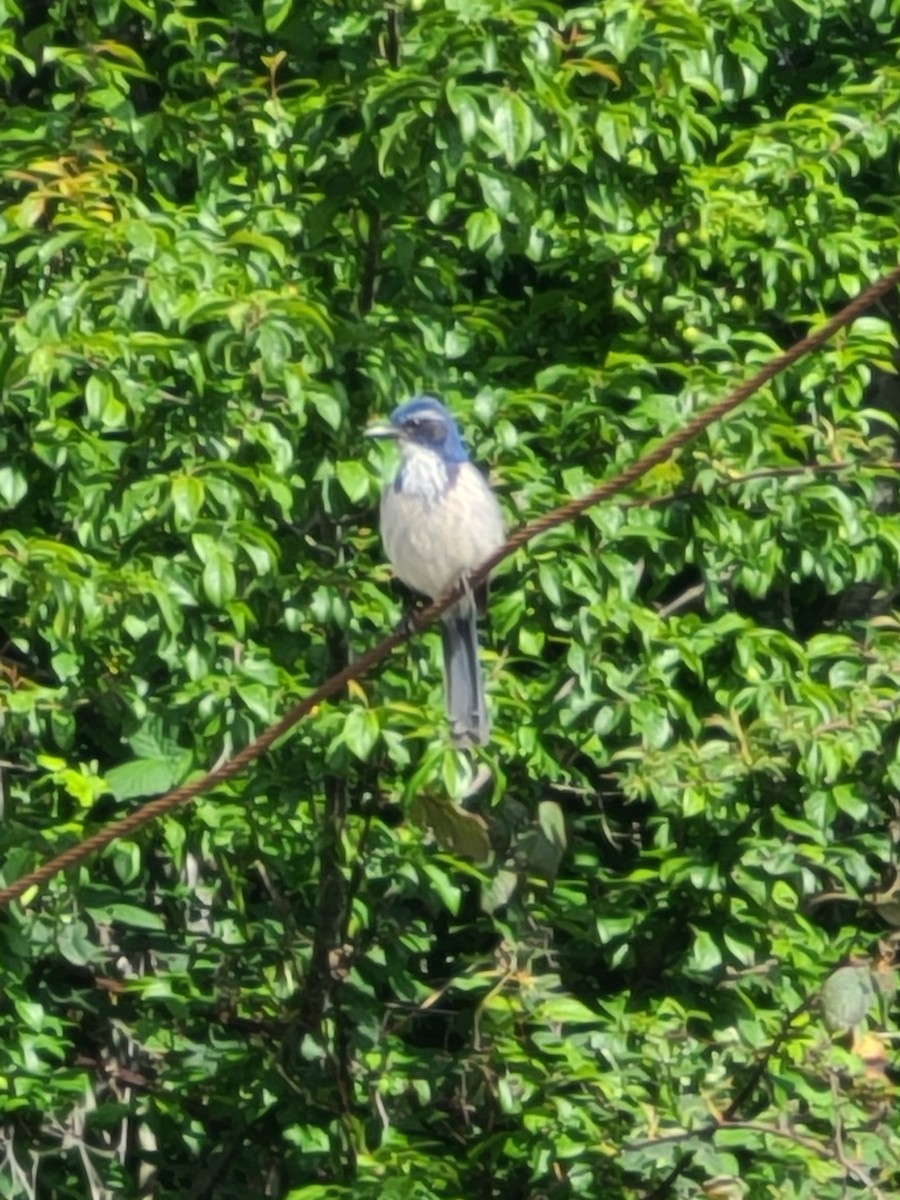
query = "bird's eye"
{"x": 424, "y": 427}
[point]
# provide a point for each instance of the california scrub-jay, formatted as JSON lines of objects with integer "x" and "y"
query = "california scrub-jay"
{"x": 439, "y": 520}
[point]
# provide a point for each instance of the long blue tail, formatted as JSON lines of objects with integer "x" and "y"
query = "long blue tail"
{"x": 463, "y": 680}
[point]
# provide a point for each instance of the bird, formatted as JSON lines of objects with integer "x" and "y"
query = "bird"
{"x": 440, "y": 520}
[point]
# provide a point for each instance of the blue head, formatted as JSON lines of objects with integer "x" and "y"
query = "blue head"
{"x": 424, "y": 421}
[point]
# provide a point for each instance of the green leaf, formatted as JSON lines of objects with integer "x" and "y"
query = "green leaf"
{"x": 360, "y": 732}
{"x": 513, "y": 127}
{"x": 127, "y": 914}
{"x": 565, "y": 1010}
{"x": 705, "y": 952}
{"x": 187, "y": 497}
{"x": 499, "y": 891}
{"x": 846, "y": 997}
{"x": 481, "y": 227}
{"x": 454, "y": 829}
{"x": 552, "y": 823}
{"x": 219, "y": 578}
{"x": 148, "y": 776}
{"x": 354, "y": 479}
{"x": 448, "y": 892}
{"x": 329, "y": 409}
{"x": 13, "y": 486}
{"x": 103, "y": 405}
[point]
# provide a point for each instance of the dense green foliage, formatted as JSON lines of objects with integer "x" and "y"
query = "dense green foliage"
{"x": 232, "y": 232}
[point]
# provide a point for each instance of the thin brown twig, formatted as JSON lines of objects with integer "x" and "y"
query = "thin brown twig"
{"x": 664, "y": 1186}
{"x": 709, "y": 1131}
{"x": 748, "y": 1087}
{"x": 850, "y": 1168}
{"x": 426, "y": 616}
{"x": 728, "y": 1120}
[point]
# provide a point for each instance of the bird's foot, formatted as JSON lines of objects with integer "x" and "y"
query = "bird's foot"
{"x": 406, "y": 626}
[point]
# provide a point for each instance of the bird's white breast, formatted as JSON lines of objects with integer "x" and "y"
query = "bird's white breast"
{"x": 424, "y": 473}
{"x": 441, "y": 523}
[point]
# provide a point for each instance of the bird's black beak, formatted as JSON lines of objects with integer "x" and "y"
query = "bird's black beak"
{"x": 382, "y": 430}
